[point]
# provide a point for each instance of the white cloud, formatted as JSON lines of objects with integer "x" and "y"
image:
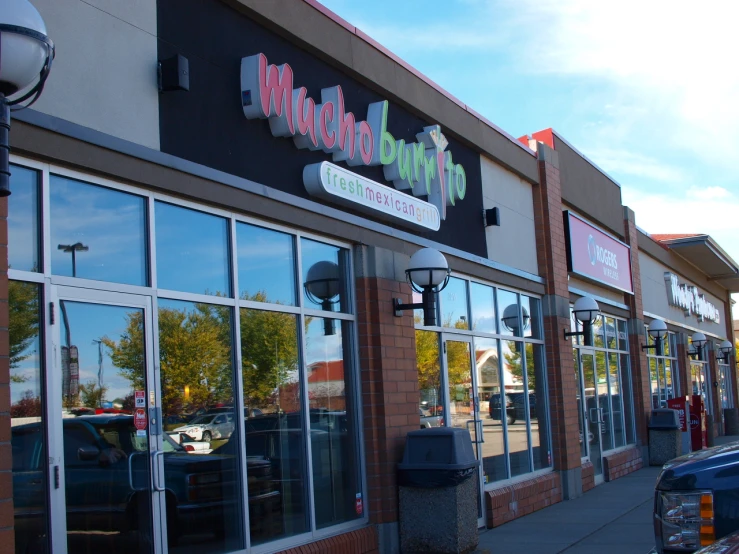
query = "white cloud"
{"x": 638, "y": 165}
{"x": 677, "y": 58}
{"x": 708, "y": 193}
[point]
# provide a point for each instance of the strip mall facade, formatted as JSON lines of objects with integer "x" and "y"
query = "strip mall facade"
{"x": 202, "y": 350}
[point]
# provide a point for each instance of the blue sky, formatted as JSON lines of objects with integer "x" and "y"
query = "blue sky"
{"x": 646, "y": 89}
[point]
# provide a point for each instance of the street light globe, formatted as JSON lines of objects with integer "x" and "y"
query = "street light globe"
{"x": 657, "y": 329}
{"x": 427, "y": 268}
{"x": 586, "y": 310}
{"x": 24, "y": 46}
{"x": 726, "y": 347}
{"x": 698, "y": 339}
{"x": 322, "y": 280}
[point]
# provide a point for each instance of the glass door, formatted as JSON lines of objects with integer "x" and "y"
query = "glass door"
{"x": 463, "y": 406}
{"x": 106, "y": 444}
{"x": 592, "y": 409}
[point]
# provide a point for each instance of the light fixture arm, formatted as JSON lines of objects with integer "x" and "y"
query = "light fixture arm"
{"x": 427, "y": 304}
{"x": 586, "y": 333}
{"x": 657, "y": 346}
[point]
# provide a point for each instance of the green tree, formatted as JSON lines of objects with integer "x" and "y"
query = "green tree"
{"x": 513, "y": 362}
{"x": 91, "y": 395}
{"x": 194, "y": 356}
{"x": 23, "y": 325}
{"x": 269, "y": 352}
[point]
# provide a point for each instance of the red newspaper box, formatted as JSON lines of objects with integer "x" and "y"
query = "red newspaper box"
{"x": 681, "y": 405}
{"x": 698, "y": 438}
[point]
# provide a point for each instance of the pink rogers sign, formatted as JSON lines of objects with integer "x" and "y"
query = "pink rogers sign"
{"x": 595, "y": 255}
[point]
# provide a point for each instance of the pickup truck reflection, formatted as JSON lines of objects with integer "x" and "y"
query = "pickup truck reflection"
{"x": 107, "y": 483}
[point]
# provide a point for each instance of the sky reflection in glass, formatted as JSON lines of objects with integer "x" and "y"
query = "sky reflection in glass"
{"x": 111, "y": 224}
{"x": 192, "y": 251}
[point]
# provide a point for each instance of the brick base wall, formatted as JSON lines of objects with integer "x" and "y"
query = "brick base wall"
{"x": 508, "y": 503}
{"x": 361, "y": 541}
{"x": 621, "y": 463}
{"x": 588, "y": 476}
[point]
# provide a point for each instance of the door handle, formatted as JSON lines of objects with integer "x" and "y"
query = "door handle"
{"x": 130, "y": 472}
{"x": 596, "y": 418}
{"x": 480, "y": 433}
{"x": 155, "y": 470}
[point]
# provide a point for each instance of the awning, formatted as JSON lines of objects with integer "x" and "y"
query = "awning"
{"x": 703, "y": 252}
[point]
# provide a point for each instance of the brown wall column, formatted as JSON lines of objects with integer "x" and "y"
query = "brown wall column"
{"x": 552, "y": 260}
{"x": 390, "y": 397}
{"x": 640, "y": 378}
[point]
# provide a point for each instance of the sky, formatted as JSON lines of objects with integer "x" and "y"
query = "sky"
{"x": 647, "y": 90}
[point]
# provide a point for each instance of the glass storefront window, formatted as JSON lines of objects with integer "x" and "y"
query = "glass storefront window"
{"x": 275, "y": 440}
{"x": 266, "y": 261}
{"x": 614, "y": 385}
{"x": 518, "y": 442}
{"x": 332, "y": 413}
{"x": 197, "y": 377}
{"x": 28, "y": 427}
{"x": 453, "y": 305}
{"x": 598, "y": 339}
{"x": 494, "y": 410}
{"x": 192, "y": 251}
{"x": 531, "y": 313}
{"x": 23, "y": 220}
{"x": 662, "y": 369}
{"x": 428, "y": 366}
{"x": 298, "y": 371}
{"x": 324, "y": 277}
{"x": 97, "y": 233}
{"x": 483, "y": 308}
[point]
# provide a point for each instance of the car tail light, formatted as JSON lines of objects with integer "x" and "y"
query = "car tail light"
{"x": 189, "y": 448}
{"x": 687, "y": 520}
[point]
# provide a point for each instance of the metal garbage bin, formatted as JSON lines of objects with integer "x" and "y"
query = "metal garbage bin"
{"x": 439, "y": 491}
{"x": 664, "y": 436}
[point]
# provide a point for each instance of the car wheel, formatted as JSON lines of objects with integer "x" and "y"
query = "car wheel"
{"x": 206, "y": 436}
{"x": 510, "y": 419}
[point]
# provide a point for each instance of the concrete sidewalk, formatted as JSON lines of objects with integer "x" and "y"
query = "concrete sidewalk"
{"x": 612, "y": 518}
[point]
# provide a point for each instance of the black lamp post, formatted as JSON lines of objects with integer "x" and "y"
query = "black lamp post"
{"x": 585, "y": 311}
{"x": 73, "y": 248}
{"x": 657, "y": 330}
{"x": 724, "y": 349}
{"x": 697, "y": 342}
{"x": 427, "y": 274}
{"x": 26, "y": 54}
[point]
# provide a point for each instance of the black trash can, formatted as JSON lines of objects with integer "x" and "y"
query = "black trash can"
{"x": 664, "y": 436}
{"x": 439, "y": 489}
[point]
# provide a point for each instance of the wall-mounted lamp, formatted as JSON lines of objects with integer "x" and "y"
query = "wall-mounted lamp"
{"x": 26, "y": 54}
{"x": 658, "y": 331}
{"x": 323, "y": 287}
{"x": 698, "y": 341}
{"x": 510, "y": 319}
{"x": 491, "y": 217}
{"x": 428, "y": 274}
{"x": 586, "y": 311}
{"x": 724, "y": 350}
{"x": 174, "y": 74}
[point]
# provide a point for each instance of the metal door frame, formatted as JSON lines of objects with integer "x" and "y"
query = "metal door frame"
{"x": 53, "y": 389}
{"x": 476, "y": 421}
{"x": 587, "y": 351}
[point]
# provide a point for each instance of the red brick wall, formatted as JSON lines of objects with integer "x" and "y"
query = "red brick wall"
{"x": 508, "y": 503}
{"x": 588, "y": 476}
{"x": 362, "y": 541}
{"x": 621, "y": 463}
{"x": 7, "y": 537}
{"x": 552, "y": 261}
{"x": 390, "y": 397}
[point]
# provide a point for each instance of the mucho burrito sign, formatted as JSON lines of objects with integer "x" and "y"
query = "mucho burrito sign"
{"x": 422, "y": 169}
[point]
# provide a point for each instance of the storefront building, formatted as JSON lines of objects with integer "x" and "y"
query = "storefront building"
{"x": 203, "y": 262}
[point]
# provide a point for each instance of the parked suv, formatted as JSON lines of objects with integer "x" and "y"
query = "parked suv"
{"x": 494, "y": 408}
{"x": 696, "y": 499}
